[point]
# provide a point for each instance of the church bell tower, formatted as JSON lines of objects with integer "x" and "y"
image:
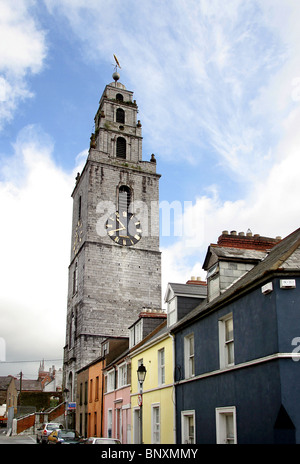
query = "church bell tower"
{"x": 115, "y": 265}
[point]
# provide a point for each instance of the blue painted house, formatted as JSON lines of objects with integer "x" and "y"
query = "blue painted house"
{"x": 237, "y": 375}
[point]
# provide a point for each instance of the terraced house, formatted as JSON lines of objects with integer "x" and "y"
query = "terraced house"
{"x": 237, "y": 371}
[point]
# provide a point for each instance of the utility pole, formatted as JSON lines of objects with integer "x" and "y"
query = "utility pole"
{"x": 19, "y": 399}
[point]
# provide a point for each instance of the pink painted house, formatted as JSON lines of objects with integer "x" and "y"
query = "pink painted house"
{"x": 116, "y": 399}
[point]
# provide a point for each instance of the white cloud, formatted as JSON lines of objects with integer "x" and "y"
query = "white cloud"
{"x": 35, "y": 207}
{"x": 202, "y": 73}
{"x": 271, "y": 208}
{"x": 22, "y": 53}
{"x": 208, "y": 79}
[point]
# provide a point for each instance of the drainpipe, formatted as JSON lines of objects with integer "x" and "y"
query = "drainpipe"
{"x": 173, "y": 388}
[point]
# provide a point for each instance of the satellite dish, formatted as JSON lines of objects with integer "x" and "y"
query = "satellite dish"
{"x": 117, "y": 62}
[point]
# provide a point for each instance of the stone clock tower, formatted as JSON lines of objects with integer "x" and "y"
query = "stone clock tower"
{"x": 115, "y": 266}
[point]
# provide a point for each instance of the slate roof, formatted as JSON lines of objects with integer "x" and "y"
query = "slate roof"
{"x": 186, "y": 290}
{"x": 234, "y": 254}
{"x": 283, "y": 257}
{"x": 4, "y": 382}
{"x": 29, "y": 385}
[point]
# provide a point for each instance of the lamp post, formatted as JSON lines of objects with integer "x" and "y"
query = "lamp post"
{"x": 141, "y": 373}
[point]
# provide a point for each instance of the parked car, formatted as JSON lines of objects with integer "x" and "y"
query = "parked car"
{"x": 44, "y": 431}
{"x": 64, "y": 437}
{"x": 102, "y": 441}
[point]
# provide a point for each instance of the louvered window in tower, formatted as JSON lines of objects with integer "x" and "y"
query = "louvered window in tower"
{"x": 120, "y": 115}
{"x": 124, "y": 200}
{"x": 119, "y": 97}
{"x": 121, "y": 148}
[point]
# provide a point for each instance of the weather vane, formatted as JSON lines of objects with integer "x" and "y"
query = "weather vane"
{"x": 117, "y": 64}
{"x": 116, "y": 75}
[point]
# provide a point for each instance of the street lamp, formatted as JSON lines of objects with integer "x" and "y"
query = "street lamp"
{"x": 141, "y": 373}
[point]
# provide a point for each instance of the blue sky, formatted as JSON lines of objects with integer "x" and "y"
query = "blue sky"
{"x": 218, "y": 90}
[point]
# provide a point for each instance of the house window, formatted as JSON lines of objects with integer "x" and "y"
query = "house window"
{"x": 85, "y": 393}
{"x": 110, "y": 386}
{"x": 226, "y": 342}
{"x": 97, "y": 389}
{"x": 91, "y": 391}
{"x": 188, "y": 427}
{"x": 226, "y": 425}
{"x": 139, "y": 331}
{"x": 131, "y": 337}
{"x": 189, "y": 358}
{"x": 155, "y": 424}
{"x": 161, "y": 366}
{"x": 122, "y": 375}
{"x": 172, "y": 313}
{"x": 105, "y": 349}
{"x": 136, "y": 333}
{"x": 120, "y": 115}
{"x": 121, "y": 148}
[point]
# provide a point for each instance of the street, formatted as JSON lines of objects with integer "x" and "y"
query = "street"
{"x": 17, "y": 439}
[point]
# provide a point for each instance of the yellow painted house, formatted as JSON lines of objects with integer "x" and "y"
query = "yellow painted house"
{"x": 155, "y": 352}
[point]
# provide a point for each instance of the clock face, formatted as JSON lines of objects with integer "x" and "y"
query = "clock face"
{"x": 124, "y": 228}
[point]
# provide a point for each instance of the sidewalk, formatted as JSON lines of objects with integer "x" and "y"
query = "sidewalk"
{"x": 21, "y": 439}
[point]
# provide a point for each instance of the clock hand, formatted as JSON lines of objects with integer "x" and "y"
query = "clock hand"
{"x": 121, "y": 223}
{"x": 116, "y": 230}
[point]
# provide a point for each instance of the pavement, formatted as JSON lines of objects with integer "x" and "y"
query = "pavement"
{"x": 22, "y": 439}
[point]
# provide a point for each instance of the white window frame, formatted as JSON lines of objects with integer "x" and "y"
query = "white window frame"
{"x": 122, "y": 375}
{"x": 131, "y": 337}
{"x": 136, "y": 334}
{"x": 110, "y": 383}
{"x": 189, "y": 358}
{"x": 225, "y": 344}
{"x": 155, "y": 425}
{"x": 172, "y": 311}
{"x": 139, "y": 332}
{"x": 185, "y": 427}
{"x": 161, "y": 366}
{"x": 222, "y": 415}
